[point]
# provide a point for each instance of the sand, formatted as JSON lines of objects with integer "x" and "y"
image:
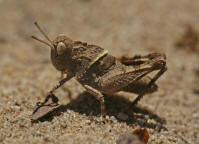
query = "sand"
{"x": 124, "y": 28}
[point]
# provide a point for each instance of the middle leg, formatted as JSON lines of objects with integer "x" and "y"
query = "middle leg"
{"x": 98, "y": 95}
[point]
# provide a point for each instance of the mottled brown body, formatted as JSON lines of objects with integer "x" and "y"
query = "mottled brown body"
{"x": 106, "y": 75}
{"x": 101, "y": 73}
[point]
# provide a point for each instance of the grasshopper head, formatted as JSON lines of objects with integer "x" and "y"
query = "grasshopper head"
{"x": 60, "y": 50}
{"x": 60, "y": 53}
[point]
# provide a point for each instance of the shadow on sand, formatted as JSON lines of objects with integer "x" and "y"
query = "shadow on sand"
{"x": 87, "y": 104}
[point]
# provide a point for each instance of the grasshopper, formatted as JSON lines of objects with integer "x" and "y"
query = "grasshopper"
{"x": 101, "y": 73}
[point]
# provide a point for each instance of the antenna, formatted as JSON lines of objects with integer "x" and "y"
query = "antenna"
{"x": 43, "y": 33}
{"x": 34, "y": 37}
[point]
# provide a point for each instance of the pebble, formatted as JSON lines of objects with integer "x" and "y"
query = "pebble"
{"x": 128, "y": 138}
{"x": 122, "y": 116}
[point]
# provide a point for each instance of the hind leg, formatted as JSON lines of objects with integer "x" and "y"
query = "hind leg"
{"x": 149, "y": 86}
{"x": 139, "y": 86}
{"x": 141, "y": 60}
{"x": 132, "y": 79}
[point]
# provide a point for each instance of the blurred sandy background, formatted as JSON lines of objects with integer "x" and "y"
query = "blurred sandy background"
{"x": 124, "y": 27}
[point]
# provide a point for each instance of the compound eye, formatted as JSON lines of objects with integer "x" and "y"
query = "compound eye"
{"x": 61, "y": 47}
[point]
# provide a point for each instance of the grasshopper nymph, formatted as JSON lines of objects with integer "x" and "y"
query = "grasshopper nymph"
{"x": 101, "y": 73}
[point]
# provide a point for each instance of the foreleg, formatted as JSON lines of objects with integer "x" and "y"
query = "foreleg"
{"x": 61, "y": 82}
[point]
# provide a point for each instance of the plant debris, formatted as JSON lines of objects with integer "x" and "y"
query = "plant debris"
{"x": 128, "y": 138}
{"x": 42, "y": 110}
{"x": 142, "y": 134}
{"x": 138, "y": 136}
{"x": 189, "y": 40}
